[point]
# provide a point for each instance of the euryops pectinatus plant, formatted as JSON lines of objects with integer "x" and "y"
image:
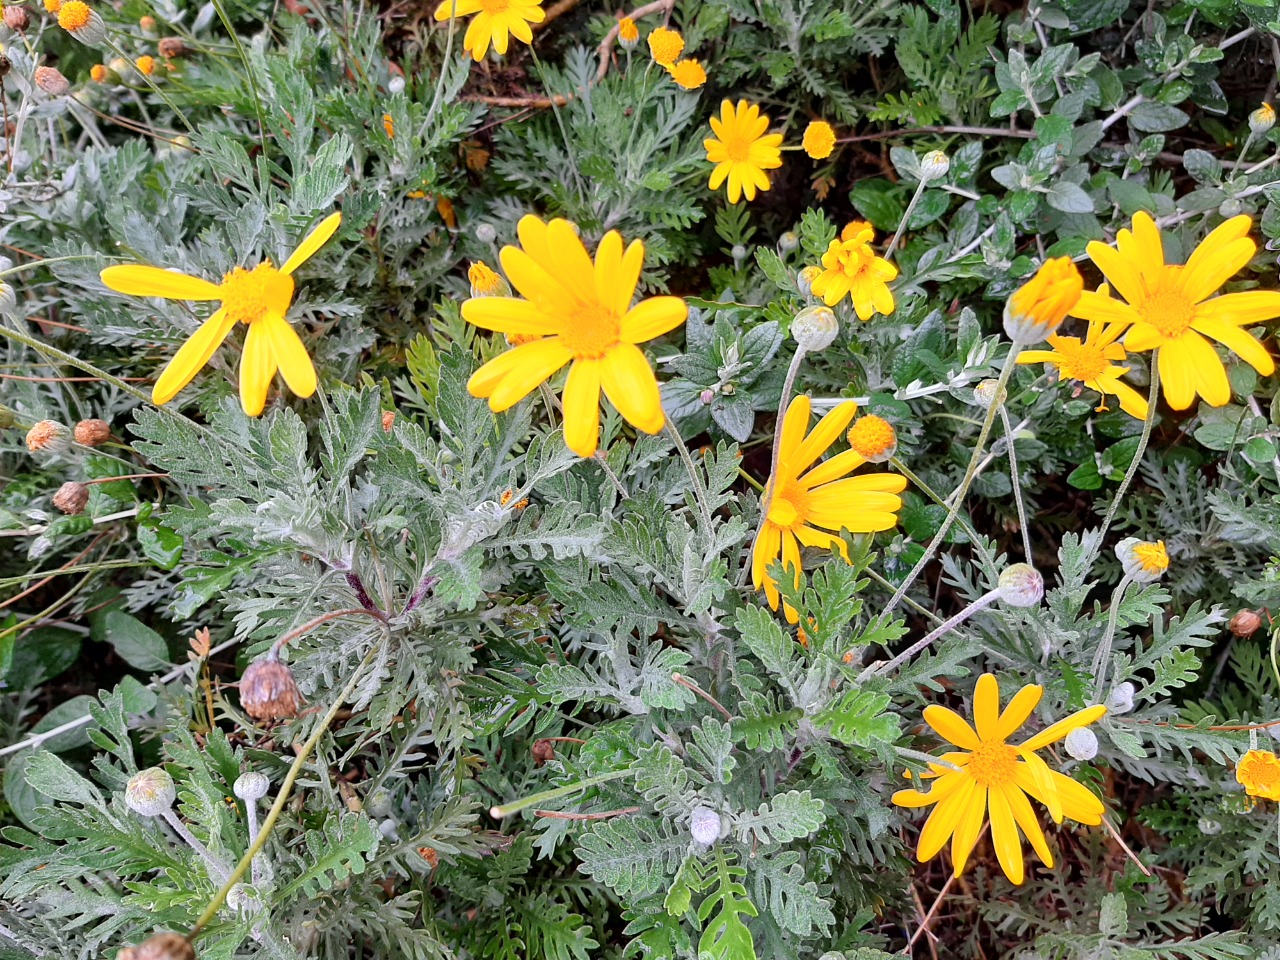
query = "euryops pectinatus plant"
{"x": 708, "y": 480}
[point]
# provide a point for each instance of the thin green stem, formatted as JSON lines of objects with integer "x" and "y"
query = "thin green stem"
{"x": 564, "y": 131}
{"x": 295, "y": 770}
{"x": 155, "y": 88}
{"x": 516, "y": 806}
{"x": 438, "y": 98}
{"x": 970, "y": 472}
{"x": 248, "y": 70}
{"x": 1153, "y": 398}
{"x": 699, "y": 490}
{"x": 1101, "y": 659}
{"x": 918, "y": 608}
{"x": 965, "y": 525}
{"x": 1016, "y": 480}
{"x": 23, "y": 267}
{"x": 79, "y": 568}
{"x": 902, "y": 224}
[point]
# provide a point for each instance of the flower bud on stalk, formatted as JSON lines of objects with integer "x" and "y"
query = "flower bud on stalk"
{"x": 485, "y": 282}
{"x": 92, "y": 433}
{"x": 815, "y": 328}
{"x": 48, "y": 436}
{"x": 1143, "y": 561}
{"x": 934, "y": 165}
{"x": 1082, "y": 744}
{"x": 1021, "y": 585}
{"x": 8, "y": 299}
{"x": 268, "y": 690}
{"x": 82, "y": 22}
{"x": 150, "y": 792}
{"x": 705, "y": 825}
{"x": 51, "y": 81}
{"x": 1038, "y": 307}
{"x": 985, "y": 393}
{"x": 16, "y": 17}
{"x": 1262, "y": 120}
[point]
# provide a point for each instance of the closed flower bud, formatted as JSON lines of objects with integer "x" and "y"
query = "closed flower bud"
{"x": 150, "y": 792}
{"x": 705, "y": 825}
{"x": 1144, "y": 561}
{"x": 395, "y": 85}
{"x": 171, "y": 47}
{"x": 48, "y": 436}
{"x": 485, "y": 282}
{"x": 1082, "y": 743}
{"x": 1230, "y": 207}
{"x": 51, "y": 81}
{"x": 628, "y": 33}
{"x": 1262, "y": 120}
{"x": 788, "y": 242}
{"x": 1020, "y": 585}
{"x": 1208, "y": 827}
{"x": 251, "y": 786}
{"x": 268, "y": 690}
{"x": 92, "y": 433}
{"x": 147, "y": 23}
{"x": 707, "y": 396}
{"x": 1039, "y": 306}
{"x": 145, "y": 64}
{"x": 815, "y": 328}
{"x": 72, "y": 497}
{"x": 739, "y": 253}
{"x": 16, "y": 17}
{"x": 1245, "y": 623}
{"x": 873, "y": 438}
{"x": 805, "y": 278}
{"x": 162, "y": 946}
{"x": 984, "y": 394}
{"x": 1121, "y": 699}
{"x": 934, "y": 165}
{"x": 486, "y": 233}
{"x": 8, "y": 299}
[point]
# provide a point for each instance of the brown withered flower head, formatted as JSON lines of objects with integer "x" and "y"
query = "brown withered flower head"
{"x": 543, "y": 750}
{"x": 52, "y": 82}
{"x": 92, "y": 433}
{"x": 268, "y": 690}
{"x": 48, "y": 436}
{"x": 1245, "y": 623}
{"x": 72, "y": 497}
{"x": 161, "y": 946}
{"x": 16, "y": 17}
{"x": 388, "y": 420}
{"x": 171, "y": 47}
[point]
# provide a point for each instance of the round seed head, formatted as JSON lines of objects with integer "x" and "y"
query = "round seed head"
{"x": 704, "y": 825}
{"x": 72, "y": 497}
{"x": 1021, "y": 585}
{"x": 1082, "y": 744}
{"x": 251, "y": 786}
{"x": 92, "y": 433}
{"x": 161, "y": 946}
{"x": 51, "y": 81}
{"x": 1245, "y": 623}
{"x": 268, "y": 690}
{"x": 150, "y": 792}
{"x": 48, "y": 436}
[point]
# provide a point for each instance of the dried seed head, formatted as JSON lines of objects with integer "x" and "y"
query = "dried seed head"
{"x": 171, "y": 47}
{"x": 251, "y": 786}
{"x": 1121, "y": 699}
{"x": 72, "y": 497}
{"x": 1020, "y": 585}
{"x": 161, "y": 946}
{"x": 16, "y": 17}
{"x": 543, "y": 750}
{"x": 51, "y": 81}
{"x": 150, "y": 792}
{"x": 1245, "y": 623}
{"x": 388, "y": 420}
{"x": 5, "y": 65}
{"x": 431, "y": 855}
{"x": 815, "y": 328}
{"x": 704, "y": 825}
{"x": 268, "y": 690}
{"x": 1082, "y": 744}
{"x": 48, "y": 436}
{"x": 92, "y": 433}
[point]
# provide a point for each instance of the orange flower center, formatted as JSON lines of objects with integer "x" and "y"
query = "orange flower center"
{"x": 872, "y": 436}
{"x": 249, "y": 295}
{"x": 592, "y": 332}
{"x": 1169, "y": 310}
{"x": 1259, "y": 773}
{"x": 1080, "y": 361}
{"x": 993, "y": 763}
{"x": 853, "y": 257}
{"x": 789, "y": 506}
{"x": 737, "y": 147}
{"x": 495, "y": 6}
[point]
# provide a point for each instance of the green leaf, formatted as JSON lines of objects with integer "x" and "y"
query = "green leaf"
{"x": 860, "y": 718}
{"x": 1150, "y": 116}
{"x": 161, "y": 545}
{"x": 136, "y": 643}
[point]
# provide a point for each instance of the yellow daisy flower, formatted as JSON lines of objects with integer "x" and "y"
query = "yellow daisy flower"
{"x": 689, "y": 74}
{"x": 1092, "y": 361}
{"x": 258, "y": 298}
{"x": 996, "y": 777}
{"x": 851, "y": 267}
{"x": 1172, "y": 307}
{"x": 1038, "y": 307}
{"x": 496, "y": 21}
{"x": 819, "y": 140}
{"x": 1259, "y": 773}
{"x": 582, "y": 314}
{"x": 741, "y": 150}
{"x": 808, "y": 507}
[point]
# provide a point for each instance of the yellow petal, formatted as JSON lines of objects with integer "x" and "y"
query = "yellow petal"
{"x": 570, "y": 264}
{"x": 1055, "y": 732}
{"x": 1033, "y": 776}
{"x": 951, "y": 726}
{"x": 827, "y": 431}
{"x": 1177, "y": 374}
{"x": 652, "y": 318}
{"x": 257, "y": 367}
{"x": 944, "y": 819}
{"x": 290, "y": 355}
{"x": 1211, "y": 375}
{"x": 628, "y": 278}
{"x": 986, "y": 706}
{"x": 966, "y": 836}
{"x": 1120, "y": 271}
{"x": 316, "y": 239}
{"x": 1018, "y": 709}
{"x": 608, "y": 267}
{"x": 630, "y": 385}
{"x": 1078, "y": 803}
{"x": 456, "y": 8}
{"x": 509, "y": 377}
{"x": 582, "y": 407}
{"x": 509, "y": 315}
{"x": 1240, "y": 342}
{"x": 794, "y": 424}
{"x": 764, "y": 551}
{"x": 1242, "y": 309}
{"x": 833, "y": 468}
{"x": 1004, "y": 836}
{"x": 137, "y": 280}
{"x": 1026, "y": 819}
{"x": 191, "y": 356}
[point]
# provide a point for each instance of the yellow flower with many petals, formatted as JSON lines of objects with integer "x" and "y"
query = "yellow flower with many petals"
{"x": 741, "y": 150}
{"x": 689, "y": 74}
{"x": 1259, "y": 773}
{"x": 819, "y": 140}
{"x": 851, "y": 268}
{"x": 1092, "y": 362}
{"x": 582, "y": 314}
{"x": 258, "y": 298}
{"x": 992, "y": 775}
{"x": 809, "y": 507}
{"x": 496, "y": 21}
{"x": 1171, "y": 307}
{"x": 1038, "y": 307}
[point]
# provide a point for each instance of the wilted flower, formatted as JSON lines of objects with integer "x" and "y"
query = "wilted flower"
{"x": 92, "y": 433}
{"x": 1245, "y": 623}
{"x": 170, "y": 47}
{"x": 51, "y": 81}
{"x": 388, "y": 420}
{"x": 268, "y": 690}
{"x": 72, "y": 497}
{"x": 1039, "y": 306}
{"x": 1143, "y": 561}
{"x": 16, "y": 17}
{"x": 48, "y": 436}
{"x": 819, "y": 139}
{"x": 851, "y": 268}
{"x": 162, "y": 946}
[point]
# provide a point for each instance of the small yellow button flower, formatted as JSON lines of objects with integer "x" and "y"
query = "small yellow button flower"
{"x": 52, "y": 6}
{"x": 258, "y": 298}
{"x": 851, "y": 268}
{"x": 819, "y": 140}
{"x": 689, "y": 74}
{"x": 665, "y": 46}
{"x": 742, "y": 150}
{"x": 98, "y": 73}
{"x": 1038, "y": 307}
{"x": 1259, "y": 773}
{"x": 873, "y": 438}
{"x": 146, "y": 64}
